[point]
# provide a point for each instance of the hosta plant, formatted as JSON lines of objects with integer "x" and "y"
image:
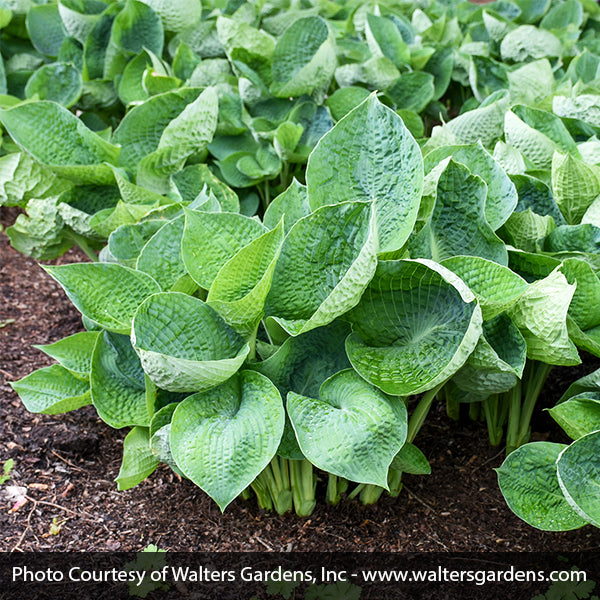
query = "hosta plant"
{"x": 294, "y": 271}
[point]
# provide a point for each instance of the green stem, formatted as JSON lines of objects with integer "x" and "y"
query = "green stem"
{"x": 278, "y": 486}
{"x": 474, "y": 411}
{"x": 260, "y": 487}
{"x": 395, "y": 482}
{"x": 246, "y": 494}
{"x": 420, "y": 413}
{"x": 452, "y": 406}
{"x": 370, "y": 494}
{"x": 151, "y": 391}
{"x": 492, "y": 417}
{"x": 514, "y": 418}
{"x": 538, "y": 373}
{"x": 356, "y": 491}
{"x": 252, "y": 343}
{"x": 333, "y": 491}
{"x": 303, "y": 483}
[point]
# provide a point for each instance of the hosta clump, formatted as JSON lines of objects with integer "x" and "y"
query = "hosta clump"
{"x": 243, "y": 354}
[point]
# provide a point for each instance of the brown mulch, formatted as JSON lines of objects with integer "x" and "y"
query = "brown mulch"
{"x": 67, "y": 465}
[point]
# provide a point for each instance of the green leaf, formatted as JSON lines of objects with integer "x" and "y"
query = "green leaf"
{"x": 161, "y": 255}
{"x": 239, "y": 290}
{"x": 501, "y": 199}
{"x": 45, "y": 29}
{"x": 117, "y": 382}
{"x": 577, "y": 416}
{"x": 326, "y": 261}
{"x": 138, "y": 460}
{"x": 528, "y": 42}
{"x": 191, "y": 180}
{"x": 80, "y": 16}
{"x": 22, "y": 178}
{"x": 370, "y": 155}
{"x": 173, "y": 355}
{"x": 385, "y": 39}
{"x": 73, "y": 151}
{"x": 541, "y": 314}
{"x": 223, "y": 438}
{"x": 415, "y": 326}
{"x": 248, "y": 45}
{"x": 529, "y": 483}
{"x": 411, "y": 460}
{"x": 52, "y": 391}
{"x": 343, "y": 100}
{"x": 211, "y": 239}
{"x": 575, "y": 186}
{"x": 140, "y": 131}
{"x": 495, "y": 286}
{"x": 193, "y": 129}
{"x": 176, "y": 15}
{"x": 497, "y": 362}
{"x": 484, "y": 124}
{"x": 412, "y": 91}
{"x": 59, "y": 82}
{"x": 108, "y": 294}
{"x": 304, "y": 59}
{"x": 458, "y": 224}
{"x": 584, "y": 307}
{"x": 527, "y": 230}
{"x": 127, "y": 241}
{"x": 137, "y": 27}
{"x": 73, "y": 352}
{"x": 292, "y": 205}
{"x": 353, "y": 430}
{"x": 579, "y": 476}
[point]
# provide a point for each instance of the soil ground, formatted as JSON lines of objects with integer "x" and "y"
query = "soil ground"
{"x": 67, "y": 464}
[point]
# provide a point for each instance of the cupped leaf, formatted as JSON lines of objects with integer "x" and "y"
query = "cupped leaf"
{"x": 73, "y": 352}
{"x": 578, "y": 469}
{"x": 53, "y": 390}
{"x": 117, "y": 382}
{"x": 501, "y": 199}
{"x": 529, "y": 483}
{"x": 353, "y": 430}
{"x": 108, "y": 294}
{"x": 495, "y": 286}
{"x": 541, "y": 315}
{"x": 458, "y": 224}
{"x": 138, "y": 460}
{"x": 415, "y": 326}
{"x": 575, "y": 186}
{"x": 304, "y": 58}
{"x": 370, "y": 156}
{"x": 326, "y": 261}
{"x": 223, "y": 438}
{"x": 240, "y": 289}
{"x": 211, "y": 239}
{"x": 73, "y": 150}
{"x": 184, "y": 345}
